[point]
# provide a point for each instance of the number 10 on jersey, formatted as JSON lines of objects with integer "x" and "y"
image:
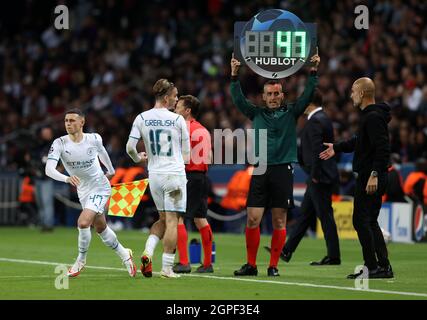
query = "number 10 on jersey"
{"x": 160, "y": 142}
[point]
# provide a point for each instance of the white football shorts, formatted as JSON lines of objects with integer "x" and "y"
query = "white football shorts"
{"x": 169, "y": 192}
{"x": 96, "y": 200}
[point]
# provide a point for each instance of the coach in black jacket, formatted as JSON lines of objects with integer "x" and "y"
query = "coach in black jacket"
{"x": 371, "y": 158}
{"x": 322, "y": 175}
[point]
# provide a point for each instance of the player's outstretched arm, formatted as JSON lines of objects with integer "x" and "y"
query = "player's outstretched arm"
{"x": 304, "y": 100}
{"x": 328, "y": 153}
{"x": 346, "y": 146}
{"x": 239, "y": 100}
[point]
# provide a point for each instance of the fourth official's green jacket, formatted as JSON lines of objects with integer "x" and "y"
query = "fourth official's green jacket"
{"x": 279, "y": 122}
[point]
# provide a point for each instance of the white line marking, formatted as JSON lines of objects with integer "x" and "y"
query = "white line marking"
{"x": 54, "y": 276}
{"x": 300, "y": 284}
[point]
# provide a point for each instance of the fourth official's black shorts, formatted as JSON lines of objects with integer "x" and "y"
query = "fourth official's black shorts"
{"x": 273, "y": 189}
{"x": 197, "y": 195}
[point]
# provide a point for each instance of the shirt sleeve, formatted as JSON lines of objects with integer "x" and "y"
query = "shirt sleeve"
{"x": 55, "y": 150}
{"x": 52, "y": 161}
{"x": 134, "y": 137}
{"x": 239, "y": 100}
{"x": 346, "y": 146}
{"x": 303, "y": 101}
{"x": 135, "y": 132}
{"x": 103, "y": 155}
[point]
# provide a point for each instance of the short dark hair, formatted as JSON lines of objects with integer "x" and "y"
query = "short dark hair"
{"x": 191, "y": 102}
{"x": 273, "y": 83}
{"x": 76, "y": 111}
{"x": 162, "y": 87}
{"x": 317, "y": 98}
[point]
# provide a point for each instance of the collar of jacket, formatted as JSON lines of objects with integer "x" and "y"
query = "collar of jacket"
{"x": 272, "y": 110}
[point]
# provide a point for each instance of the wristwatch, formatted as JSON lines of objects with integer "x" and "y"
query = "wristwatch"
{"x": 374, "y": 174}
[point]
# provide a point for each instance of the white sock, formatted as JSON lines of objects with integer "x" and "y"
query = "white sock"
{"x": 84, "y": 241}
{"x": 167, "y": 260}
{"x": 151, "y": 244}
{"x": 109, "y": 238}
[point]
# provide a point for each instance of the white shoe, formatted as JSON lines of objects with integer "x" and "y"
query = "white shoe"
{"x": 77, "y": 267}
{"x": 168, "y": 273}
{"x": 130, "y": 265}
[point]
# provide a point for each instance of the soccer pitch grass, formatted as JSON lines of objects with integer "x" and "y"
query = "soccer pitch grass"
{"x": 28, "y": 259}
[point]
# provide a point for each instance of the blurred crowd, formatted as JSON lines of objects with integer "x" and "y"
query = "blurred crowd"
{"x": 113, "y": 53}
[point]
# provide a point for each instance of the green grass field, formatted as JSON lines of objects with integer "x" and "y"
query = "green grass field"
{"x": 28, "y": 260}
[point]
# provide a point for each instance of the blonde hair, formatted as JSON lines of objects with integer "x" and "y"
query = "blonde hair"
{"x": 162, "y": 87}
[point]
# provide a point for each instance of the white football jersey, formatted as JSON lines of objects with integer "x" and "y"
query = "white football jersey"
{"x": 81, "y": 160}
{"x": 165, "y": 136}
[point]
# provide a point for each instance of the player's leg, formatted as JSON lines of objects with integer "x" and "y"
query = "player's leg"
{"x": 322, "y": 201}
{"x": 175, "y": 199}
{"x": 109, "y": 237}
{"x": 169, "y": 242}
{"x": 277, "y": 239}
{"x": 157, "y": 232}
{"x": 280, "y": 188}
{"x": 157, "y": 229}
{"x": 205, "y": 231}
{"x": 255, "y": 209}
{"x": 202, "y": 224}
{"x": 307, "y": 212}
{"x": 381, "y": 251}
{"x": 253, "y": 236}
{"x": 183, "y": 266}
{"x": 362, "y": 223}
{"x": 84, "y": 222}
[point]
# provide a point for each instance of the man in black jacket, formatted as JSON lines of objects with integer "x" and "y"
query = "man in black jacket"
{"x": 371, "y": 158}
{"x": 322, "y": 175}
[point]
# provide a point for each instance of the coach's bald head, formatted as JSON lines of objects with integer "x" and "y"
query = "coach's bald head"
{"x": 363, "y": 92}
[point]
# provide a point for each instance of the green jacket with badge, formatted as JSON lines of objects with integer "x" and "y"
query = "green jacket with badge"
{"x": 279, "y": 122}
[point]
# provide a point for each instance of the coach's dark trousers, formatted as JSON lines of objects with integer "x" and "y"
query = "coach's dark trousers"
{"x": 317, "y": 202}
{"x": 365, "y": 221}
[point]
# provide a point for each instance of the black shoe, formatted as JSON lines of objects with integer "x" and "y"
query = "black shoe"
{"x": 382, "y": 273}
{"x": 246, "y": 270}
{"x": 203, "y": 269}
{"x": 284, "y": 255}
{"x": 326, "y": 261}
{"x": 273, "y": 272}
{"x": 378, "y": 273}
{"x": 388, "y": 271}
{"x": 181, "y": 268}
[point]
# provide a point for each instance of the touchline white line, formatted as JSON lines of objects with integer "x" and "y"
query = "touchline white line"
{"x": 300, "y": 284}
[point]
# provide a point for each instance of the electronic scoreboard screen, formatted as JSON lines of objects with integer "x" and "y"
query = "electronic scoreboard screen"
{"x": 274, "y": 43}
